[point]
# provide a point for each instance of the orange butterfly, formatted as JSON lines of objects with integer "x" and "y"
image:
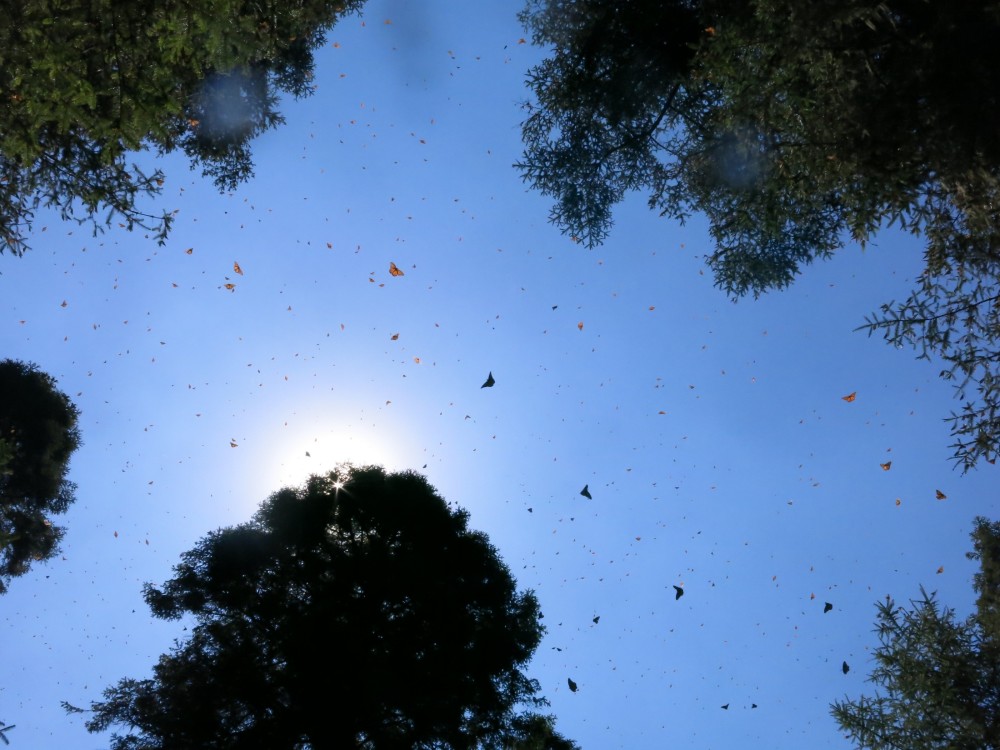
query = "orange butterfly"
{"x": 236, "y": 267}
{"x": 886, "y": 466}
{"x": 939, "y": 494}
{"x": 394, "y": 270}
{"x": 850, "y": 397}
{"x": 230, "y": 287}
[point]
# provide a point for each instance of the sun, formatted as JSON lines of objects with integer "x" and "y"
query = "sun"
{"x": 305, "y": 452}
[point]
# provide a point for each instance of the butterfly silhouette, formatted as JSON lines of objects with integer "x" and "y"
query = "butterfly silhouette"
{"x": 939, "y": 495}
{"x": 678, "y": 592}
{"x": 586, "y": 492}
{"x": 845, "y": 668}
{"x": 597, "y": 619}
{"x": 725, "y": 707}
{"x": 827, "y": 607}
{"x": 572, "y": 685}
{"x": 490, "y": 382}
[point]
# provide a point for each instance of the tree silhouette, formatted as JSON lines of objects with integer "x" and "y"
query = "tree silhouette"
{"x": 358, "y": 611}
{"x": 38, "y": 434}
{"x": 89, "y": 84}
{"x": 940, "y": 677}
{"x": 793, "y": 127}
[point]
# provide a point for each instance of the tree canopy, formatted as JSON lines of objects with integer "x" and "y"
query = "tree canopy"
{"x": 939, "y": 676}
{"x": 794, "y": 128}
{"x": 87, "y": 84}
{"x": 38, "y": 434}
{"x": 358, "y": 611}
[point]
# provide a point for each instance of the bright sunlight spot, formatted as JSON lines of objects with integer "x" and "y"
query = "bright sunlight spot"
{"x": 308, "y": 451}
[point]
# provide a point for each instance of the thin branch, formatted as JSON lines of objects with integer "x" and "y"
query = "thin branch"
{"x": 648, "y": 133}
{"x": 946, "y": 313}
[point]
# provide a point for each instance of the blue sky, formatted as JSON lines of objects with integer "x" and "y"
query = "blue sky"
{"x": 712, "y": 435}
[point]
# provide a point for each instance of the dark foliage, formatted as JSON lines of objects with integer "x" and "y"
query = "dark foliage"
{"x": 794, "y": 127}
{"x": 358, "y": 611}
{"x": 85, "y": 84}
{"x": 939, "y": 676}
{"x": 38, "y": 434}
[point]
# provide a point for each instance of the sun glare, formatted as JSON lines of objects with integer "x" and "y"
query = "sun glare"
{"x": 304, "y": 453}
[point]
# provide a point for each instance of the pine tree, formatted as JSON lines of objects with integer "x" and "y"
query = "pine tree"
{"x": 938, "y": 677}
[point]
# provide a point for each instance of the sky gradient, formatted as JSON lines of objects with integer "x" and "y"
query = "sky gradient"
{"x": 712, "y": 435}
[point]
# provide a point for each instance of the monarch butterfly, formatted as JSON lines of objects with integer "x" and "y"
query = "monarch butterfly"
{"x": 394, "y": 270}
{"x": 850, "y": 397}
{"x": 230, "y": 287}
{"x": 236, "y": 267}
{"x": 886, "y": 466}
{"x": 940, "y": 495}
